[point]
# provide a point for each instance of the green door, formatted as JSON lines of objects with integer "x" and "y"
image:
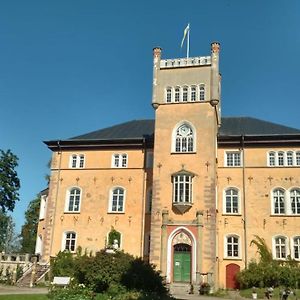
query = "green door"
{"x": 182, "y": 263}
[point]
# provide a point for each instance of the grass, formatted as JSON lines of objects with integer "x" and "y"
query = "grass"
{"x": 23, "y": 297}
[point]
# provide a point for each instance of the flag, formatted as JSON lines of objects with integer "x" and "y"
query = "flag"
{"x": 185, "y": 32}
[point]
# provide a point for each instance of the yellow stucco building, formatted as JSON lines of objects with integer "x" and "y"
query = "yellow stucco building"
{"x": 188, "y": 190}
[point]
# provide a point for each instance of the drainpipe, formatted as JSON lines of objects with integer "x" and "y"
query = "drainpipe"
{"x": 143, "y": 199}
{"x": 244, "y": 203}
{"x": 56, "y": 195}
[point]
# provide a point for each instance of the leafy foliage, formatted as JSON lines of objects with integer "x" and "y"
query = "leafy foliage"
{"x": 112, "y": 236}
{"x": 9, "y": 181}
{"x": 63, "y": 264}
{"x": 262, "y": 249}
{"x": 8, "y": 240}
{"x": 29, "y": 229}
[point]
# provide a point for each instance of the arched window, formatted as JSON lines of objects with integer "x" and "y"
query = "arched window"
{"x": 193, "y": 93}
{"x": 279, "y": 201}
{"x": 280, "y": 157}
{"x": 295, "y": 201}
{"x": 69, "y": 243}
{"x": 169, "y": 94}
{"x": 296, "y": 247}
{"x": 177, "y": 94}
{"x": 280, "y": 246}
{"x": 117, "y": 199}
{"x": 73, "y": 200}
{"x": 114, "y": 239}
{"x": 272, "y": 161}
{"x": 185, "y": 94}
{"x": 184, "y": 139}
{"x": 289, "y": 158}
{"x": 232, "y": 246}
{"x": 231, "y": 201}
{"x": 202, "y": 92}
{"x": 298, "y": 158}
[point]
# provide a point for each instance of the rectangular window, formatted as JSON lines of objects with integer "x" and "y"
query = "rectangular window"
{"x": 169, "y": 95}
{"x": 177, "y": 94}
{"x": 202, "y": 93}
{"x": 298, "y": 158}
{"x": 193, "y": 94}
{"x": 233, "y": 159}
{"x": 182, "y": 188}
{"x": 289, "y": 158}
{"x": 70, "y": 241}
{"x": 272, "y": 159}
{"x": 280, "y": 159}
{"x": 77, "y": 161}
{"x": 185, "y": 94}
{"x": 119, "y": 160}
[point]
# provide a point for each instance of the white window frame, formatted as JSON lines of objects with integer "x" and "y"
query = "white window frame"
{"x": 111, "y": 195}
{"x": 226, "y": 244}
{"x": 193, "y": 92}
{"x": 185, "y": 93}
{"x": 277, "y": 198}
{"x": 297, "y": 158}
{"x": 281, "y": 158}
{"x": 169, "y": 94}
{"x": 179, "y": 137}
{"x": 68, "y": 198}
{"x": 297, "y": 200}
{"x": 295, "y": 245}
{"x": 238, "y": 212}
{"x": 77, "y": 161}
{"x": 202, "y": 92}
{"x": 276, "y": 245}
{"x": 177, "y": 94}
{"x": 119, "y": 160}
{"x": 234, "y": 162}
{"x": 182, "y": 182}
{"x": 272, "y": 159}
{"x": 68, "y": 240}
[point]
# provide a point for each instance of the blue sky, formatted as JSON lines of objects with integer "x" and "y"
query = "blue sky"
{"x": 68, "y": 67}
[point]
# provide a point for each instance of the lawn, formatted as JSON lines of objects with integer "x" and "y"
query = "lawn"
{"x": 23, "y": 297}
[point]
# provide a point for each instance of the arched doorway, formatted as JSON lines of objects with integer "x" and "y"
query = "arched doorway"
{"x": 182, "y": 263}
{"x": 231, "y": 271}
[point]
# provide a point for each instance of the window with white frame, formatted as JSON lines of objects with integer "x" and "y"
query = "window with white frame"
{"x": 233, "y": 158}
{"x": 296, "y": 247}
{"x": 119, "y": 160}
{"x": 295, "y": 201}
{"x": 283, "y": 158}
{"x": 232, "y": 246}
{"x": 202, "y": 92}
{"x": 184, "y": 139}
{"x": 280, "y": 247}
{"x": 168, "y": 94}
{"x": 177, "y": 94}
{"x": 77, "y": 161}
{"x": 117, "y": 200}
{"x": 182, "y": 188}
{"x": 272, "y": 159}
{"x": 231, "y": 201}
{"x": 73, "y": 200}
{"x": 298, "y": 158}
{"x": 69, "y": 241}
{"x": 193, "y": 93}
{"x": 185, "y": 94}
{"x": 279, "y": 201}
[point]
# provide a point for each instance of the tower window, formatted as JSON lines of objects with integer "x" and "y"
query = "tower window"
{"x": 231, "y": 201}
{"x": 169, "y": 95}
{"x": 202, "y": 92}
{"x": 232, "y": 246}
{"x": 177, "y": 94}
{"x": 185, "y": 94}
{"x": 184, "y": 140}
{"x": 182, "y": 188}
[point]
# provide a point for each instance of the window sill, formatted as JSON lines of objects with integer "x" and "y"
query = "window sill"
{"x": 232, "y": 214}
{"x": 285, "y": 215}
{"x": 233, "y": 258}
{"x": 116, "y": 212}
{"x": 180, "y": 153}
{"x": 72, "y": 212}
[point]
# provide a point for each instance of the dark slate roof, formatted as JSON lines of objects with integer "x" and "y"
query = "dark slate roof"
{"x": 135, "y": 129}
{"x": 231, "y": 126}
{"x": 252, "y": 126}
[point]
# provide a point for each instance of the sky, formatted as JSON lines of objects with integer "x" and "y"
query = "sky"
{"x": 68, "y": 67}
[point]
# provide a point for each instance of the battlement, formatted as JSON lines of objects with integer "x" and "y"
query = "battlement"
{"x": 185, "y": 62}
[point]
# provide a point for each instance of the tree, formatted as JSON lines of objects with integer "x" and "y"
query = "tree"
{"x": 262, "y": 249}
{"x": 9, "y": 181}
{"x": 29, "y": 229}
{"x": 9, "y": 242}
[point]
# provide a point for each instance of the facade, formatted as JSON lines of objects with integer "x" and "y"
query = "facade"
{"x": 188, "y": 190}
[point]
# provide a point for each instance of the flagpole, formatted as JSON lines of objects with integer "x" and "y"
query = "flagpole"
{"x": 188, "y": 44}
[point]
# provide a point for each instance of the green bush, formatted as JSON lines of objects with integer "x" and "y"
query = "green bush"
{"x": 63, "y": 264}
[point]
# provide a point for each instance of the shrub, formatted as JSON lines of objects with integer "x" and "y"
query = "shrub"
{"x": 63, "y": 264}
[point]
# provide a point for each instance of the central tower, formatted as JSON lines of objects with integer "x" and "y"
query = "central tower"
{"x": 186, "y": 99}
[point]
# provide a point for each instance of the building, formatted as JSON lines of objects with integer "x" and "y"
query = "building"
{"x": 188, "y": 190}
